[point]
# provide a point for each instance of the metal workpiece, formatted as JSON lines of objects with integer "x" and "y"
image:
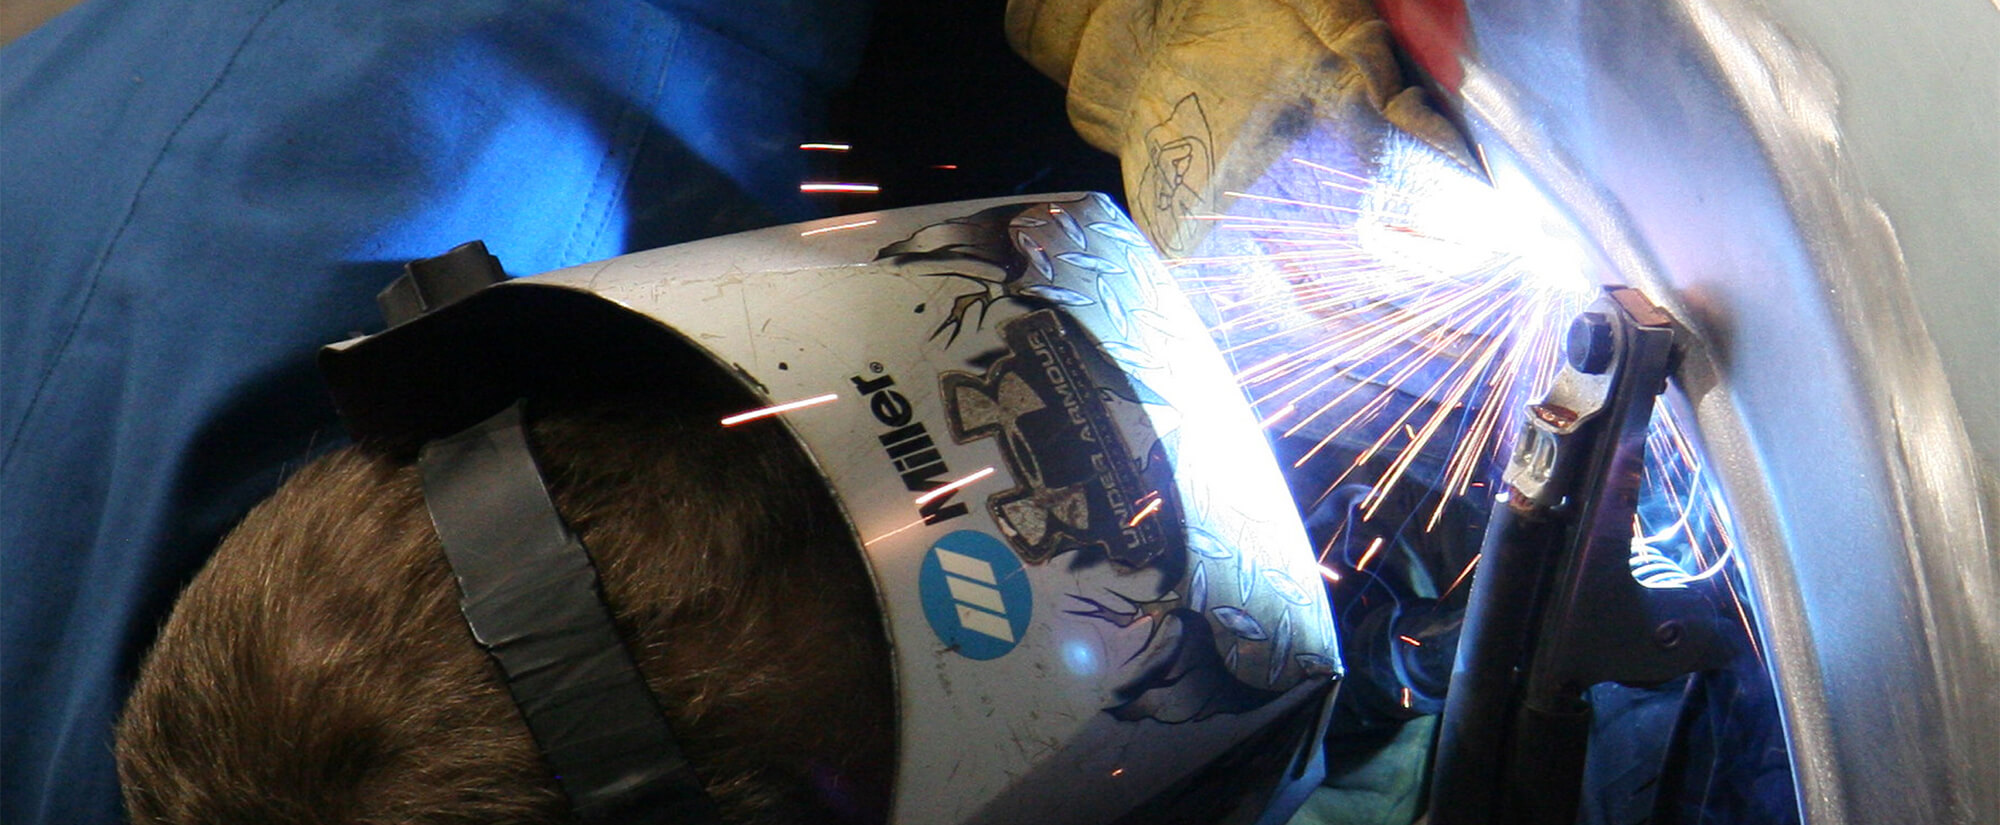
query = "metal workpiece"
{"x": 1808, "y": 187}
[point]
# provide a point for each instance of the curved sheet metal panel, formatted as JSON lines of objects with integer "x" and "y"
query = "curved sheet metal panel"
{"x": 1813, "y": 187}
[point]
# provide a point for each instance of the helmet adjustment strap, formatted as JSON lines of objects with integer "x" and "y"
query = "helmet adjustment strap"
{"x": 530, "y": 595}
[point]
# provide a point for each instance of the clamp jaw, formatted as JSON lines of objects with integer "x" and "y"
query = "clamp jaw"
{"x": 1554, "y": 608}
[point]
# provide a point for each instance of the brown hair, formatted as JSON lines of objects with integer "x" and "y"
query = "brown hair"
{"x": 318, "y": 669}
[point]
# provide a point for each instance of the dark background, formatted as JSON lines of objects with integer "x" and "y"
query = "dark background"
{"x": 938, "y": 85}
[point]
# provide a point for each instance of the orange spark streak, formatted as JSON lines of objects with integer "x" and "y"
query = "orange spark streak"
{"x": 1289, "y": 202}
{"x": 862, "y": 188}
{"x": 1370, "y": 555}
{"x": 1750, "y": 630}
{"x": 1461, "y": 576}
{"x": 956, "y": 485}
{"x": 911, "y": 526}
{"x": 1376, "y": 404}
{"x": 1278, "y": 416}
{"x": 778, "y": 409}
{"x": 1408, "y": 456}
{"x": 1150, "y": 508}
{"x": 825, "y": 229}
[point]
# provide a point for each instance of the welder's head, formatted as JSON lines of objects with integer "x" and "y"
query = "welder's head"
{"x": 1081, "y": 594}
{"x": 318, "y": 670}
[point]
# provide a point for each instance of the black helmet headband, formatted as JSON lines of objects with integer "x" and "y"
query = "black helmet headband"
{"x": 530, "y": 595}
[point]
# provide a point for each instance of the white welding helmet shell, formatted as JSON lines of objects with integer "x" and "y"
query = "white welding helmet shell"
{"x": 1099, "y": 597}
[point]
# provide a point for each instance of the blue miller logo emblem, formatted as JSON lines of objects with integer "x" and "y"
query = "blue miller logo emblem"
{"x": 975, "y": 594}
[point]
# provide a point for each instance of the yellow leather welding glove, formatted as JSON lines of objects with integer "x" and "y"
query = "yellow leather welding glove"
{"x": 1200, "y": 97}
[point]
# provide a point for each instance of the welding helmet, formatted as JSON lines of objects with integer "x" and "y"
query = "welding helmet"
{"x": 1101, "y": 603}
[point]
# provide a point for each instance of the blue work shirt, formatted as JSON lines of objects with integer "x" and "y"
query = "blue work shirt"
{"x": 195, "y": 195}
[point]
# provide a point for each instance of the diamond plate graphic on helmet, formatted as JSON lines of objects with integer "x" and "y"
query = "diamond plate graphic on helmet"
{"x": 1112, "y": 435}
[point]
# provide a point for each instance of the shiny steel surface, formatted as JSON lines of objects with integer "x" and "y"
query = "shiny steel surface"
{"x": 1814, "y": 189}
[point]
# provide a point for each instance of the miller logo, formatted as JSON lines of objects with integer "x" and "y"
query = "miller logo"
{"x": 1054, "y": 403}
{"x": 910, "y": 448}
{"x": 976, "y": 597}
